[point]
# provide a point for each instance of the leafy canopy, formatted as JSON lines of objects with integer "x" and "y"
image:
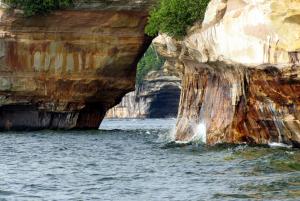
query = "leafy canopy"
{"x": 173, "y": 17}
{"x": 150, "y": 61}
{"x": 32, "y": 7}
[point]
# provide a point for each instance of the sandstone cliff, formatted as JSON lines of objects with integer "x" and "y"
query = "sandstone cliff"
{"x": 66, "y": 69}
{"x": 241, "y": 73}
{"x": 157, "y": 97}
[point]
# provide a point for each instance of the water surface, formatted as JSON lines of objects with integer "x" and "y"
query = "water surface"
{"x": 129, "y": 160}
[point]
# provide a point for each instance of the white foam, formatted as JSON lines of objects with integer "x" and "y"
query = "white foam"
{"x": 278, "y": 144}
{"x": 200, "y": 134}
{"x": 182, "y": 142}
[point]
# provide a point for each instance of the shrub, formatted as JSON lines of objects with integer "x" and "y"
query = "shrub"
{"x": 32, "y": 7}
{"x": 150, "y": 61}
{"x": 173, "y": 17}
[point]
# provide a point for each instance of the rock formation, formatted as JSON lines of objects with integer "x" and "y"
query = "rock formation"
{"x": 157, "y": 97}
{"x": 66, "y": 69}
{"x": 241, "y": 73}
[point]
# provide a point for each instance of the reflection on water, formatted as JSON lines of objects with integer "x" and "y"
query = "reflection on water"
{"x": 131, "y": 160}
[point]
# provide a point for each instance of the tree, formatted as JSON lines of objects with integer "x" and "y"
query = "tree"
{"x": 32, "y": 7}
{"x": 173, "y": 17}
{"x": 150, "y": 61}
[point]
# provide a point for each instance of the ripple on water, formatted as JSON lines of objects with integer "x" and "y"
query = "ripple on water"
{"x": 3, "y": 192}
{"x": 131, "y": 164}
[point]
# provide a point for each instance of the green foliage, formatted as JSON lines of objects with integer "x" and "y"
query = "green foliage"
{"x": 175, "y": 16}
{"x": 32, "y": 7}
{"x": 150, "y": 61}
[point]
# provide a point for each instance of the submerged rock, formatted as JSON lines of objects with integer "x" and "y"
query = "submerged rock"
{"x": 66, "y": 69}
{"x": 241, "y": 73}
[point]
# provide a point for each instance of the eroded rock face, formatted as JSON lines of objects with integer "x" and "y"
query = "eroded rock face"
{"x": 66, "y": 69}
{"x": 238, "y": 104}
{"x": 249, "y": 32}
{"x": 241, "y": 80}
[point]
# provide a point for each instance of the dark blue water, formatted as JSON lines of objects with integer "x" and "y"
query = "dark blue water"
{"x": 134, "y": 163}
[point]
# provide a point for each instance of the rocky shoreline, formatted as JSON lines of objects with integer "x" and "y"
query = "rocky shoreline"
{"x": 64, "y": 70}
{"x": 241, "y": 77}
{"x": 157, "y": 97}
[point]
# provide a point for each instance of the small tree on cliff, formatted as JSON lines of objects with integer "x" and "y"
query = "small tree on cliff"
{"x": 32, "y": 7}
{"x": 150, "y": 61}
{"x": 173, "y": 17}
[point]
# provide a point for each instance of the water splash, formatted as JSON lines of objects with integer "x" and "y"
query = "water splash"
{"x": 199, "y": 136}
{"x": 169, "y": 136}
{"x": 200, "y": 133}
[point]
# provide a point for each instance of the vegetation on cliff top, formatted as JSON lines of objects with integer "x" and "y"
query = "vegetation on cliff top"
{"x": 173, "y": 17}
{"x": 150, "y": 61}
{"x": 32, "y": 7}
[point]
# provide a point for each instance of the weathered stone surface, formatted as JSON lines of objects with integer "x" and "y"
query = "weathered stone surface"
{"x": 250, "y": 32}
{"x": 241, "y": 74}
{"x": 172, "y": 50}
{"x": 66, "y": 69}
{"x": 157, "y": 97}
{"x": 239, "y": 104}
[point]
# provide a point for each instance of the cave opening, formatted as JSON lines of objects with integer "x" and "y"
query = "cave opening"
{"x": 165, "y": 103}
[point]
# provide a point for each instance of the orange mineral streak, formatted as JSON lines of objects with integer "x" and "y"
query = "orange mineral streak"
{"x": 239, "y": 104}
{"x": 76, "y": 62}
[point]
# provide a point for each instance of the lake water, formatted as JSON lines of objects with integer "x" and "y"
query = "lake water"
{"x": 131, "y": 160}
